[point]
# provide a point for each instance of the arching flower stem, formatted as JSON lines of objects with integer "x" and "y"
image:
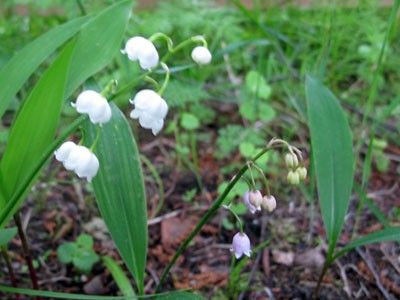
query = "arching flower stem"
{"x": 228, "y": 207}
{"x": 166, "y": 80}
{"x": 192, "y": 40}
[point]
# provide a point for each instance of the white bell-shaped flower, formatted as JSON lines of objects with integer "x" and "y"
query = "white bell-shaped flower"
{"x": 78, "y": 159}
{"x": 150, "y": 109}
{"x": 269, "y": 203}
{"x": 241, "y": 245}
{"x": 64, "y": 150}
{"x": 201, "y": 55}
{"x": 143, "y": 50}
{"x": 95, "y": 105}
{"x": 248, "y": 199}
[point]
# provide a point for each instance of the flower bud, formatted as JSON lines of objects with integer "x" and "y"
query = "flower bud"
{"x": 150, "y": 109}
{"x": 293, "y": 177}
{"x": 302, "y": 171}
{"x": 269, "y": 203}
{"x": 291, "y": 160}
{"x": 201, "y": 55}
{"x": 143, "y": 50}
{"x": 255, "y": 198}
{"x": 241, "y": 245}
{"x": 95, "y": 105}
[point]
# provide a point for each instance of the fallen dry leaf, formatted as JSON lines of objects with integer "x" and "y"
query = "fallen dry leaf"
{"x": 282, "y": 257}
{"x": 312, "y": 258}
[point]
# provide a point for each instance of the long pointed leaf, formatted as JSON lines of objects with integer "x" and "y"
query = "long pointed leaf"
{"x": 177, "y": 295}
{"x": 119, "y": 191}
{"x": 24, "y": 63}
{"x": 35, "y": 125}
{"x": 332, "y": 155}
{"x": 384, "y": 235}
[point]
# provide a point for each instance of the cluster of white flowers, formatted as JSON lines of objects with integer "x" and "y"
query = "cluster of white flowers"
{"x": 78, "y": 159}
{"x": 296, "y": 172}
{"x": 254, "y": 201}
{"x": 149, "y": 107}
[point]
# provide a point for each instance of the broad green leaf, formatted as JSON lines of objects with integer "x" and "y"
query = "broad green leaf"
{"x": 385, "y": 235}
{"x": 119, "y": 191}
{"x": 6, "y": 235}
{"x": 24, "y": 63}
{"x": 98, "y": 42}
{"x": 256, "y": 110}
{"x": 35, "y": 125}
{"x": 189, "y": 121}
{"x": 257, "y": 85}
{"x": 66, "y": 252}
{"x": 332, "y": 155}
{"x": 84, "y": 260}
{"x": 85, "y": 241}
{"x": 119, "y": 276}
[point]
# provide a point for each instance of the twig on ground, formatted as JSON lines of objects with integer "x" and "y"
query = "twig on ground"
{"x": 390, "y": 257}
{"x": 343, "y": 275}
{"x": 368, "y": 260}
{"x": 173, "y": 214}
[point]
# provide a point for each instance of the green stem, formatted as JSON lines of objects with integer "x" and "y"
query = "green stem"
{"x": 251, "y": 176}
{"x": 207, "y": 216}
{"x": 163, "y": 36}
{"x": 81, "y": 7}
{"x": 166, "y": 80}
{"x": 27, "y": 252}
{"x": 152, "y": 81}
{"x": 328, "y": 261}
{"x": 7, "y": 259}
{"x": 182, "y": 45}
{"x": 159, "y": 182}
{"x": 129, "y": 86}
{"x": 261, "y": 172}
{"x": 93, "y": 147}
{"x": 236, "y": 217}
{"x": 193, "y": 150}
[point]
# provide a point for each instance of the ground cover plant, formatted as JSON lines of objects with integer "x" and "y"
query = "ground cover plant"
{"x": 194, "y": 150}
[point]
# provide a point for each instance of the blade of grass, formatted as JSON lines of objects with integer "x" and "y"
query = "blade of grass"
{"x": 177, "y": 295}
{"x": 119, "y": 276}
{"x": 385, "y": 235}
